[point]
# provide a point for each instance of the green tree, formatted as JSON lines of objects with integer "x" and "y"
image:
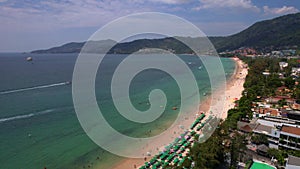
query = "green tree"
{"x": 289, "y": 82}
{"x": 208, "y": 155}
{"x": 237, "y": 148}
{"x": 278, "y": 154}
{"x": 260, "y": 139}
{"x": 282, "y": 102}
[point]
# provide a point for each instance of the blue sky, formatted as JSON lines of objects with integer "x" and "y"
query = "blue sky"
{"x": 34, "y": 24}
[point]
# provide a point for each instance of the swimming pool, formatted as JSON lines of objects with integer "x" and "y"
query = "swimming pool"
{"x": 260, "y": 165}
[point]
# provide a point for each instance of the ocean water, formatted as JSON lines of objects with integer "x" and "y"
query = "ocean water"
{"x": 38, "y": 125}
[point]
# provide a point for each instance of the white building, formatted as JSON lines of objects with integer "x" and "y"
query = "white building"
{"x": 293, "y": 163}
{"x": 283, "y": 65}
{"x": 280, "y": 135}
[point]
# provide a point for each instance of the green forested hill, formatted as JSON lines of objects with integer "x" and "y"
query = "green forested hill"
{"x": 281, "y": 31}
{"x": 278, "y": 32}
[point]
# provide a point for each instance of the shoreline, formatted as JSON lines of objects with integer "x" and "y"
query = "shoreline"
{"x": 233, "y": 90}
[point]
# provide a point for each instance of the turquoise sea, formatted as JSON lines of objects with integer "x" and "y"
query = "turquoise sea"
{"x": 38, "y": 125}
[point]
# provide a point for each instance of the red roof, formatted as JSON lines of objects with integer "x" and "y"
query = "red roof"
{"x": 273, "y": 112}
{"x": 246, "y": 128}
{"x": 296, "y": 106}
{"x": 281, "y": 88}
{"x": 291, "y": 130}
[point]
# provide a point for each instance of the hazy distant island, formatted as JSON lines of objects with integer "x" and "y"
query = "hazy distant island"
{"x": 278, "y": 33}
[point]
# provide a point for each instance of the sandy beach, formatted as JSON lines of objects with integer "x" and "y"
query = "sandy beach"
{"x": 234, "y": 88}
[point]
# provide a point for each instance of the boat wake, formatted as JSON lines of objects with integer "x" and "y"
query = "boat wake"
{"x": 34, "y": 88}
{"x": 25, "y": 116}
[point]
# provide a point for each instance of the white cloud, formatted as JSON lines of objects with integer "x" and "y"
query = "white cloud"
{"x": 280, "y": 11}
{"x": 54, "y": 14}
{"x": 52, "y": 22}
{"x": 245, "y": 4}
{"x": 172, "y": 1}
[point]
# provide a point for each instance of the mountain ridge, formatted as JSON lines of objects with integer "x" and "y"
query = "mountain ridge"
{"x": 276, "y": 32}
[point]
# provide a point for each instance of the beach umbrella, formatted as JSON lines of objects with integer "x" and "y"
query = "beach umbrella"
{"x": 176, "y": 161}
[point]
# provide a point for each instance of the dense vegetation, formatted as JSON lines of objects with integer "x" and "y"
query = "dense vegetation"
{"x": 166, "y": 43}
{"x": 75, "y": 47}
{"x": 216, "y": 152}
{"x": 279, "y": 32}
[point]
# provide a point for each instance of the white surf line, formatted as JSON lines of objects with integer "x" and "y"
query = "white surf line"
{"x": 16, "y": 117}
{"x": 33, "y": 88}
{"x": 25, "y": 116}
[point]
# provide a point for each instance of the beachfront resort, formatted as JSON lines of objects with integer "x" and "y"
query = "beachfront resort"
{"x": 177, "y": 152}
{"x": 261, "y": 131}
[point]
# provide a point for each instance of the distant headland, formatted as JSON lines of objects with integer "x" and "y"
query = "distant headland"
{"x": 278, "y": 33}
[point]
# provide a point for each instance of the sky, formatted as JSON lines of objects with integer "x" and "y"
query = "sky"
{"x": 28, "y": 25}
